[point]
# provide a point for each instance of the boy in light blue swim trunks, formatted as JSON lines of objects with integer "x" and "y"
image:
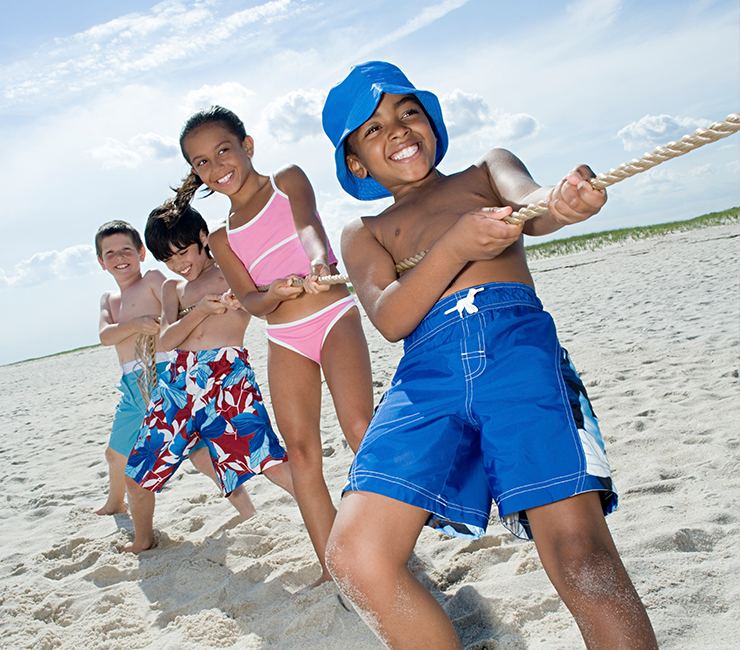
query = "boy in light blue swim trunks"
{"x": 124, "y": 315}
{"x": 485, "y": 403}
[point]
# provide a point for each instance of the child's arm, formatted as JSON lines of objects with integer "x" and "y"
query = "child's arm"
{"x": 396, "y": 305}
{"x": 257, "y": 303}
{"x": 112, "y": 333}
{"x": 571, "y": 201}
{"x": 175, "y": 330}
{"x": 294, "y": 182}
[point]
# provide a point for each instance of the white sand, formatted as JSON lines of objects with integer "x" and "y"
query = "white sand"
{"x": 653, "y": 327}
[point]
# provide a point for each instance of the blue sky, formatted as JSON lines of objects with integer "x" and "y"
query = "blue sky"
{"x": 92, "y": 97}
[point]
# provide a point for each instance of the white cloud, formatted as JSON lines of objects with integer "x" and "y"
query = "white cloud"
{"x": 653, "y": 130}
{"x": 231, "y": 95}
{"x": 295, "y": 116}
{"x": 71, "y": 262}
{"x": 175, "y": 30}
{"x": 143, "y": 146}
{"x": 468, "y": 114}
{"x": 422, "y": 19}
{"x": 593, "y": 16}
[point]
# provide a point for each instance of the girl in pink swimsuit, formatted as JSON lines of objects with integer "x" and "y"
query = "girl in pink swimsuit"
{"x": 272, "y": 234}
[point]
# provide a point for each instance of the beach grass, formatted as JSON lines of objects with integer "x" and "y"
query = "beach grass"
{"x": 593, "y": 241}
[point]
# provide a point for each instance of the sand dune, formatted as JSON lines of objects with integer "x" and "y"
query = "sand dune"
{"x": 653, "y": 328}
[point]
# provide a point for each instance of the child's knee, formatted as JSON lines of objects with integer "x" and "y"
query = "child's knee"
{"x": 114, "y": 458}
{"x": 587, "y": 567}
{"x": 132, "y": 485}
{"x": 344, "y": 558}
{"x": 305, "y": 457}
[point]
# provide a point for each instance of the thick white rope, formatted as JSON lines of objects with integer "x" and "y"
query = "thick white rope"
{"x": 699, "y": 138}
{"x": 145, "y": 348}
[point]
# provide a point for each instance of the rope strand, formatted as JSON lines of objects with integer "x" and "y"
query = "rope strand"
{"x": 145, "y": 347}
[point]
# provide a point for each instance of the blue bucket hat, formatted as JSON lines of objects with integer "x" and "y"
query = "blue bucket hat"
{"x": 351, "y": 103}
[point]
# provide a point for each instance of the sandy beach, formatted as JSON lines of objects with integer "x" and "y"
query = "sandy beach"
{"x": 653, "y": 327}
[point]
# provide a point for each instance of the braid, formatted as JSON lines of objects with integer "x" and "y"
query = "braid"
{"x": 186, "y": 191}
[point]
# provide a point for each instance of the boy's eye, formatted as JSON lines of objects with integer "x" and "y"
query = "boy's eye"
{"x": 372, "y": 129}
{"x": 200, "y": 163}
{"x": 224, "y": 150}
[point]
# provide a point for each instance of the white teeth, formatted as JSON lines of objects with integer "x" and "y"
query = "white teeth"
{"x": 406, "y": 153}
{"x": 225, "y": 179}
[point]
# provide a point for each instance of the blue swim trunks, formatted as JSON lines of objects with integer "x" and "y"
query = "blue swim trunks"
{"x": 211, "y": 397}
{"x": 131, "y": 409}
{"x": 484, "y": 404}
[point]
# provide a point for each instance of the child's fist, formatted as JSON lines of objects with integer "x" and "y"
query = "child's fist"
{"x": 310, "y": 284}
{"x": 148, "y": 324}
{"x": 212, "y": 305}
{"x": 574, "y": 199}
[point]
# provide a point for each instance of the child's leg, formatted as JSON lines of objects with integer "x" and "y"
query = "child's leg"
{"x": 346, "y": 363}
{"x": 117, "y": 483}
{"x": 141, "y": 502}
{"x": 579, "y": 556}
{"x": 239, "y": 498}
{"x": 281, "y": 476}
{"x": 368, "y": 554}
{"x": 295, "y": 390}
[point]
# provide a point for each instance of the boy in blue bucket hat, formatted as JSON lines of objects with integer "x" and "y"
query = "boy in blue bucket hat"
{"x": 484, "y": 403}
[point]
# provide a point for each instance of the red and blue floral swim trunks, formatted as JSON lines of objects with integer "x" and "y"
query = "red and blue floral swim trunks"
{"x": 208, "y": 395}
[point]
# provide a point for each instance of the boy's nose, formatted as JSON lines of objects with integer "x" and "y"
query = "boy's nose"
{"x": 398, "y": 130}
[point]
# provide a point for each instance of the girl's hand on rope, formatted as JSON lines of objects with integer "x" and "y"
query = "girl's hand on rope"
{"x": 147, "y": 324}
{"x": 283, "y": 288}
{"x": 482, "y": 234}
{"x": 574, "y": 199}
{"x": 318, "y": 268}
{"x": 211, "y": 305}
{"x": 229, "y": 299}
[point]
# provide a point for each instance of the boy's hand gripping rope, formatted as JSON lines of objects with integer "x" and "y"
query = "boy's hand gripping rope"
{"x": 699, "y": 138}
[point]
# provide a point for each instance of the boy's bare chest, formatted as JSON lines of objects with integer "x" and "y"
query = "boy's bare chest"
{"x": 135, "y": 302}
{"x": 410, "y": 227}
{"x": 211, "y": 282}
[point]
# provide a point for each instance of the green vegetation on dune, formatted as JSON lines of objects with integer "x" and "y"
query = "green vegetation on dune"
{"x": 596, "y": 240}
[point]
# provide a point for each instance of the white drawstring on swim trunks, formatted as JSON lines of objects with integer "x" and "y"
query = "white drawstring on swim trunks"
{"x": 466, "y": 303}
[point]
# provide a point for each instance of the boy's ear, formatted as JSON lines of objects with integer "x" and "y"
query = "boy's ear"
{"x": 248, "y": 144}
{"x": 142, "y": 254}
{"x": 356, "y": 167}
{"x": 101, "y": 262}
{"x": 203, "y": 238}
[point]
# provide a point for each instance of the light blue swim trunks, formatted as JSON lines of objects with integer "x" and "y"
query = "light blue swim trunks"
{"x": 131, "y": 409}
{"x": 484, "y": 404}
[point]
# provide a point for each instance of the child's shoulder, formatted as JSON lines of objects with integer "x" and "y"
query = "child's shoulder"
{"x": 290, "y": 179}
{"x": 154, "y": 276}
{"x": 108, "y": 296}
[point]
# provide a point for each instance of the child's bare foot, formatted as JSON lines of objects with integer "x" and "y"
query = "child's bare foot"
{"x": 112, "y": 509}
{"x": 139, "y": 546}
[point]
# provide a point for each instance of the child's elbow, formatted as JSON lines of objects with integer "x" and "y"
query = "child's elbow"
{"x": 390, "y": 331}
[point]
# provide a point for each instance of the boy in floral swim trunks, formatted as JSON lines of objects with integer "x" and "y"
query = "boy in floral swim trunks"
{"x": 208, "y": 392}
{"x": 485, "y": 402}
{"x": 125, "y": 314}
